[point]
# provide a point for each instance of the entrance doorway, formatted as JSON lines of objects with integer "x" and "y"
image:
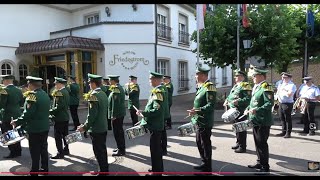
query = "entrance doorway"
{"x": 48, "y": 73}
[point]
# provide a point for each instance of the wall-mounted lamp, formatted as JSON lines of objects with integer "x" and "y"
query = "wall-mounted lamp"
{"x": 134, "y": 7}
{"x": 107, "y": 9}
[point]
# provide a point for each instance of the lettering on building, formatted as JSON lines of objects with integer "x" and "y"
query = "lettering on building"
{"x": 128, "y": 60}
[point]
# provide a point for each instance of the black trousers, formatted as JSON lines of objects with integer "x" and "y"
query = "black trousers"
{"x": 100, "y": 150}
{"x": 168, "y": 120}
{"x": 134, "y": 116}
{"x": 204, "y": 146}
{"x": 309, "y": 116}
{"x": 74, "y": 115}
{"x": 285, "y": 110}
{"x": 260, "y": 136}
{"x": 118, "y": 132}
{"x": 14, "y": 148}
{"x": 60, "y": 131}
{"x": 156, "y": 151}
{"x": 38, "y": 146}
{"x": 241, "y": 136}
{"x": 109, "y": 124}
{"x": 164, "y": 140}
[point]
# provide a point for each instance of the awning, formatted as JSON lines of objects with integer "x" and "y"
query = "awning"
{"x": 60, "y": 43}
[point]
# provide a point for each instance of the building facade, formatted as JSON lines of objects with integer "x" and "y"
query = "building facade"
{"x": 123, "y": 39}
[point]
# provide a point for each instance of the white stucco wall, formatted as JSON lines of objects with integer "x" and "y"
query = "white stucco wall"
{"x": 140, "y": 68}
{"x": 29, "y": 23}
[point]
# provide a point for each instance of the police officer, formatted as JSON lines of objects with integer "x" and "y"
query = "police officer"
{"x": 239, "y": 98}
{"x": 285, "y": 93}
{"x": 202, "y": 116}
{"x": 169, "y": 85}
{"x": 260, "y": 114}
{"x": 116, "y": 112}
{"x": 74, "y": 89}
{"x": 35, "y": 120}
{"x": 105, "y": 88}
{"x": 60, "y": 116}
{"x": 10, "y": 102}
{"x": 96, "y": 123}
{"x": 311, "y": 94}
{"x": 132, "y": 90}
{"x": 154, "y": 118}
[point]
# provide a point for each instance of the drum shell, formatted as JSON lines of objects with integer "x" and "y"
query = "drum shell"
{"x": 74, "y": 137}
{"x": 230, "y": 115}
{"x": 186, "y": 129}
{"x": 242, "y": 126}
{"x": 135, "y": 131}
{"x": 12, "y": 136}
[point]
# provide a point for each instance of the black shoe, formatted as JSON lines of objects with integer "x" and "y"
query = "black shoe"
{"x": 115, "y": 150}
{"x": 287, "y": 136}
{"x": 256, "y": 166}
{"x": 262, "y": 171}
{"x": 119, "y": 153}
{"x": 44, "y": 172}
{"x": 240, "y": 150}
{"x": 235, "y": 147}
{"x": 280, "y": 134}
{"x": 164, "y": 153}
{"x": 66, "y": 152}
{"x": 11, "y": 156}
{"x": 150, "y": 170}
{"x": 200, "y": 167}
{"x": 58, "y": 156}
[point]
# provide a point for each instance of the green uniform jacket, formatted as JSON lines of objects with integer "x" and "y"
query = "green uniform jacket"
{"x": 10, "y": 102}
{"x": 116, "y": 102}
{"x": 60, "y": 105}
{"x": 154, "y": 110}
{"x": 204, "y": 101}
{"x": 262, "y": 101}
{"x": 133, "y": 91}
{"x": 170, "y": 92}
{"x": 74, "y": 89}
{"x": 242, "y": 93}
{"x": 165, "y": 101}
{"x": 35, "y": 117}
{"x": 97, "y": 115}
{"x": 105, "y": 89}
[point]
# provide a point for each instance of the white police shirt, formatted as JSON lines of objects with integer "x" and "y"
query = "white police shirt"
{"x": 284, "y": 89}
{"x": 310, "y": 92}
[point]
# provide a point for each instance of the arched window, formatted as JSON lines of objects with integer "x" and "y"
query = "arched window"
{"x": 23, "y": 71}
{"x": 6, "y": 68}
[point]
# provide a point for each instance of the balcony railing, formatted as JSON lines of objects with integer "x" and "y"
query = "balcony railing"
{"x": 183, "y": 84}
{"x": 184, "y": 37}
{"x": 164, "y": 32}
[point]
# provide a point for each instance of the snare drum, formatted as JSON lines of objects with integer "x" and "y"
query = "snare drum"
{"x": 12, "y": 136}
{"x": 136, "y": 131}
{"x": 230, "y": 115}
{"x": 74, "y": 137}
{"x": 186, "y": 129}
{"x": 242, "y": 126}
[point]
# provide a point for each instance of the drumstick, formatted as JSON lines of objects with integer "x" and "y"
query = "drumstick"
{"x": 137, "y": 110}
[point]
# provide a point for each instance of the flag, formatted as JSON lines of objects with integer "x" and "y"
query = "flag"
{"x": 310, "y": 25}
{"x": 245, "y": 19}
{"x": 201, "y": 11}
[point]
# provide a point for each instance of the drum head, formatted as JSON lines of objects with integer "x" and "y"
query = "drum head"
{"x": 18, "y": 139}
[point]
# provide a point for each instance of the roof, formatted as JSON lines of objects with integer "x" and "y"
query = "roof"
{"x": 60, "y": 43}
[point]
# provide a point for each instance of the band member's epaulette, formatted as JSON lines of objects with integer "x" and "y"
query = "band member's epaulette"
{"x": 25, "y": 94}
{"x": 246, "y": 86}
{"x": 114, "y": 89}
{"x": 210, "y": 86}
{"x": 3, "y": 91}
{"x": 157, "y": 94}
{"x": 56, "y": 93}
{"x": 93, "y": 97}
{"x": 31, "y": 97}
{"x": 168, "y": 85}
{"x": 267, "y": 87}
{"x": 133, "y": 87}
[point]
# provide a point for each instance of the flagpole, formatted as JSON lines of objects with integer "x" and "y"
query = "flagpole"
{"x": 305, "y": 73}
{"x": 198, "y": 44}
{"x": 238, "y": 37}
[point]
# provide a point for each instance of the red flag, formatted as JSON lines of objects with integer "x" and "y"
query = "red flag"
{"x": 245, "y": 19}
{"x": 201, "y": 11}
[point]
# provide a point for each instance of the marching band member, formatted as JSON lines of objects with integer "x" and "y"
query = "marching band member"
{"x": 105, "y": 88}
{"x": 132, "y": 90}
{"x": 116, "y": 112}
{"x": 35, "y": 120}
{"x": 169, "y": 85}
{"x": 311, "y": 94}
{"x": 96, "y": 123}
{"x": 60, "y": 117}
{"x": 10, "y": 102}
{"x": 285, "y": 92}
{"x": 202, "y": 116}
{"x": 239, "y": 98}
{"x": 74, "y": 89}
{"x": 154, "y": 117}
{"x": 261, "y": 116}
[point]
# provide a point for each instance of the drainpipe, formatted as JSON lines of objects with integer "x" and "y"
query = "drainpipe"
{"x": 156, "y": 38}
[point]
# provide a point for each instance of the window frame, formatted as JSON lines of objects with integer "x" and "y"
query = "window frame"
{"x": 183, "y": 80}
{"x": 160, "y": 68}
{"x": 6, "y": 69}
{"x": 93, "y": 16}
